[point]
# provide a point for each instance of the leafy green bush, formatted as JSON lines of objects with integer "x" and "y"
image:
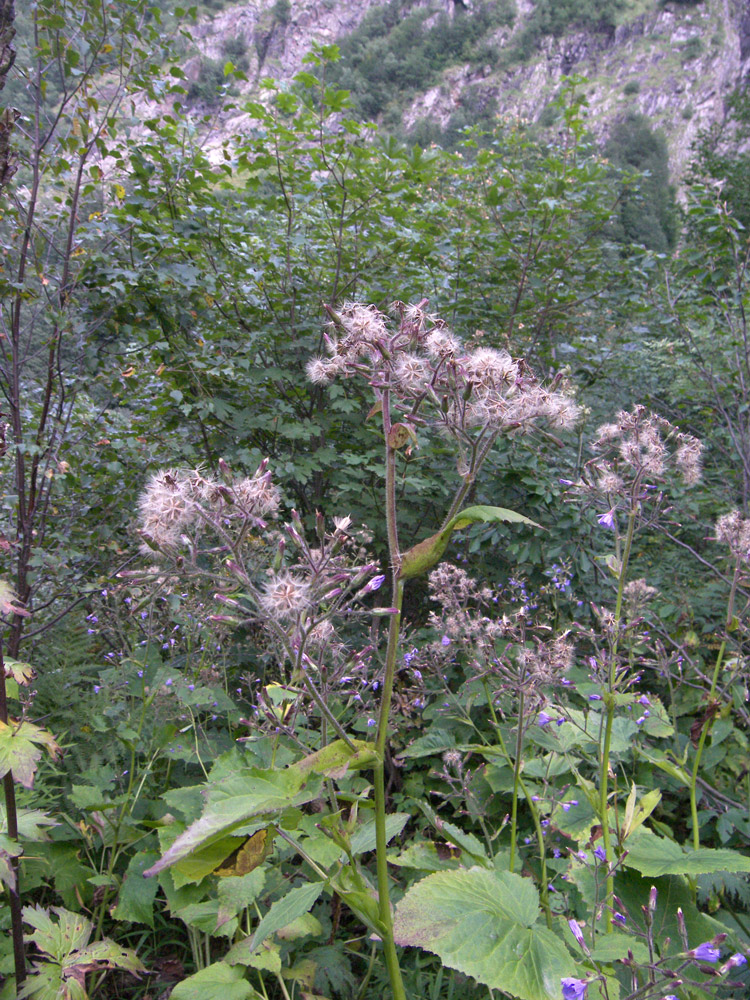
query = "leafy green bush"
{"x": 648, "y": 213}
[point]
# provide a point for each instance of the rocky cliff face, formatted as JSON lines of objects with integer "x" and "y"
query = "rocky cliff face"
{"x": 677, "y": 63}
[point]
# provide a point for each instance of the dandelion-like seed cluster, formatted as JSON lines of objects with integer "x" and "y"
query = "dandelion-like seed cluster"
{"x": 642, "y": 445}
{"x": 175, "y": 499}
{"x": 420, "y": 361}
{"x": 733, "y": 530}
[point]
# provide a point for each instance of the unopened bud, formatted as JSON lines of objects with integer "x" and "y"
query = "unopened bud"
{"x": 224, "y": 469}
{"x": 294, "y": 535}
{"x": 577, "y": 933}
{"x": 682, "y": 927}
{"x": 279, "y": 557}
{"x": 652, "y": 896}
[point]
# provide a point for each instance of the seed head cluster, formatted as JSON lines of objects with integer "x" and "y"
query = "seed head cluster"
{"x": 733, "y": 530}
{"x": 176, "y": 499}
{"x": 643, "y": 446}
{"x": 421, "y": 362}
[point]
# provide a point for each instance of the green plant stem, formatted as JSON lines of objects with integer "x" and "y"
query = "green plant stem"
{"x": 516, "y": 780}
{"x": 11, "y": 812}
{"x": 397, "y": 590}
{"x": 368, "y": 975}
{"x": 381, "y": 842}
{"x": 610, "y": 710}
{"x": 708, "y": 724}
{"x": 544, "y": 887}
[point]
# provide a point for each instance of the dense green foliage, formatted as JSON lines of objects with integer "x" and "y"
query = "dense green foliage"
{"x": 310, "y": 762}
{"x": 648, "y": 215}
{"x": 399, "y": 50}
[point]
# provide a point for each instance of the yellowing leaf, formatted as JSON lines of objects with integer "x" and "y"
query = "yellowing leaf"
{"x": 246, "y": 858}
{"x": 20, "y": 749}
{"x": 22, "y": 673}
{"x": 119, "y": 190}
{"x": 636, "y": 816}
{"x": 8, "y": 601}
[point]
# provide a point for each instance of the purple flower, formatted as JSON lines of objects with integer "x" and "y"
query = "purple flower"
{"x": 576, "y": 931}
{"x": 371, "y": 722}
{"x": 543, "y": 719}
{"x": 643, "y": 700}
{"x": 376, "y": 583}
{"x": 574, "y": 989}
{"x": 595, "y": 697}
{"x": 600, "y": 853}
{"x": 705, "y": 952}
{"x": 445, "y": 641}
{"x": 737, "y": 959}
{"x": 608, "y": 520}
{"x": 620, "y": 918}
{"x": 97, "y": 689}
{"x": 670, "y": 996}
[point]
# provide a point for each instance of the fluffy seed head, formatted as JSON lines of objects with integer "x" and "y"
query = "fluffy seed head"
{"x": 285, "y": 596}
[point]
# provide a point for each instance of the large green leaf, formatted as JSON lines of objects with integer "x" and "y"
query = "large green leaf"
{"x": 236, "y": 893}
{"x": 217, "y": 981}
{"x": 652, "y": 856}
{"x": 135, "y": 900}
{"x": 296, "y": 902}
{"x": 234, "y": 801}
{"x": 422, "y": 557}
{"x": 483, "y": 923}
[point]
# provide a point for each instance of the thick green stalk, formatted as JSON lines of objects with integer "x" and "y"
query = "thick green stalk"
{"x": 381, "y": 841}
{"x": 610, "y": 710}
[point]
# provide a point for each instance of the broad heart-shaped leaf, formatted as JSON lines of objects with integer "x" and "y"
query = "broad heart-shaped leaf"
{"x": 20, "y": 749}
{"x": 218, "y": 980}
{"x": 233, "y": 801}
{"x": 422, "y": 557}
{"x": 652, "y": 856}
{"x": 483, "y": 923}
